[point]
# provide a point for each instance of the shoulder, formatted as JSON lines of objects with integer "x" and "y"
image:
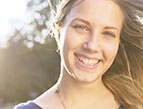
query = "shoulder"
{"x": 27, "y": 105}
{"x": 48, "y": 100}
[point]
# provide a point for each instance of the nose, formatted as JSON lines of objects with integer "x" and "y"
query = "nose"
{"x": 93, "y": 44}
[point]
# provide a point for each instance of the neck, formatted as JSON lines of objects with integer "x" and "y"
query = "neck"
{"x": 76, "y": 91}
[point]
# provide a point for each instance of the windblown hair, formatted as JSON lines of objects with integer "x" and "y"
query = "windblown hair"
{"x": 124, "y": 77}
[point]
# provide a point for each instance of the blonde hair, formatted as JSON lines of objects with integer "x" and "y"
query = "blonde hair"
{"x": 124, "y": 77}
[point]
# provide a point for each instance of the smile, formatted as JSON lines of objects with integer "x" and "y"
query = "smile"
{"x": 88, "y": 63}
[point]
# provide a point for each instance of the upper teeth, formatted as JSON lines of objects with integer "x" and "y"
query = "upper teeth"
{"x": 88, "y": 61}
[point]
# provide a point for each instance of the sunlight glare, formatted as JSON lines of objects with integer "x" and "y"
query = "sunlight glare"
{"x": 11, "y": 11}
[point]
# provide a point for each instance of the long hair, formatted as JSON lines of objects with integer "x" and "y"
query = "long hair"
{"x": 124, "y": 77}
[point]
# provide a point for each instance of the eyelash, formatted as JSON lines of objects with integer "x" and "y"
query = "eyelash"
{"x": 81, "y": 27}
{"x": 110, "y": 34}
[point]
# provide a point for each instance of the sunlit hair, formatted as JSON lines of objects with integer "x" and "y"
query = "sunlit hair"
{"x": 124, "y": 77}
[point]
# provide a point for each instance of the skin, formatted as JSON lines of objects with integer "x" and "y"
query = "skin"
{"x": 88, "y": 42}
{"x": 89, "y": 32}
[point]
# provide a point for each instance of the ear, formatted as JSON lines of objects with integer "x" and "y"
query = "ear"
{"x": 58, "y": 36}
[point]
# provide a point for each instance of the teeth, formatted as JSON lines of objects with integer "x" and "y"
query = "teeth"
{"x": 88, "y": 61}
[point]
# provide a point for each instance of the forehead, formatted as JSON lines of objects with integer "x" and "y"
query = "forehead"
{"x": 97, "y": 11}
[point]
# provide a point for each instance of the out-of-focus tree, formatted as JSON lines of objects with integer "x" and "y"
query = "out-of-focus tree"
{"x": 38, "y": 20}
{"x": 30, "y": 64}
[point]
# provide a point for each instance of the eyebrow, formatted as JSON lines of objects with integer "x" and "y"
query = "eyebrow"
{"x": 111, "y": 27}
{"x": 82, "y": 20}
{"x": 86, "y": 22}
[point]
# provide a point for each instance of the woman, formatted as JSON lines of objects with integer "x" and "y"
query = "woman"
{"x": 101, "y": 49}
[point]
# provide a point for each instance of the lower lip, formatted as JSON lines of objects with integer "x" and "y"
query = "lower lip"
{"x": 83, "y": 65}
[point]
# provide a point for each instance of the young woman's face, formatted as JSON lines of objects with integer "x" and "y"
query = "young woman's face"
{"x": 89, "y": 39}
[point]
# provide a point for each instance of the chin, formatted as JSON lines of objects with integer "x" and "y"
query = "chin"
{"x": 86, "y": 79}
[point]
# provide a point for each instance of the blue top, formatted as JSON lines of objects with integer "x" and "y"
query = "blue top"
{"x": 27, "y": 105}
{"x": 32, "y": 105}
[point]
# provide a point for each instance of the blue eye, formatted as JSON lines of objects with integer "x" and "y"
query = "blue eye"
{"x": 110, "y": 34}
{"x": 84, "y": 28}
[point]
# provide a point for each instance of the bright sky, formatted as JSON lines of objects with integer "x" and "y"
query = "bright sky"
{"x": 11, "y": 14}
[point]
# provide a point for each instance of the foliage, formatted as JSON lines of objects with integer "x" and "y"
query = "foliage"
{"x": 30, "y": 65}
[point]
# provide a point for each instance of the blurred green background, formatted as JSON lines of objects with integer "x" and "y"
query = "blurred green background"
{"x": 29, "y": 64}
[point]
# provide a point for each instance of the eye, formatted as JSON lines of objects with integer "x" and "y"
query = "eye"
{"x": 110, "y": 34}
{"x": 81, "y": 27}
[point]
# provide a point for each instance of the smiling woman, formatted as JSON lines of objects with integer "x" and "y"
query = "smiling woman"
{"x": 101, "y": 49}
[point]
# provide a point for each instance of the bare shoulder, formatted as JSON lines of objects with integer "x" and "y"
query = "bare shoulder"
{"x": 48, "y": 100}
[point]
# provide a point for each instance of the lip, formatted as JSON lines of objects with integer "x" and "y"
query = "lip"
{"x": 85, "y": 66}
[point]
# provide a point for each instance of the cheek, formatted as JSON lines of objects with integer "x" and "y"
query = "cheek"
{"x": 67, "y": 43}
{"x": 72, "y": 40}
{"x": 110, "y": 50}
